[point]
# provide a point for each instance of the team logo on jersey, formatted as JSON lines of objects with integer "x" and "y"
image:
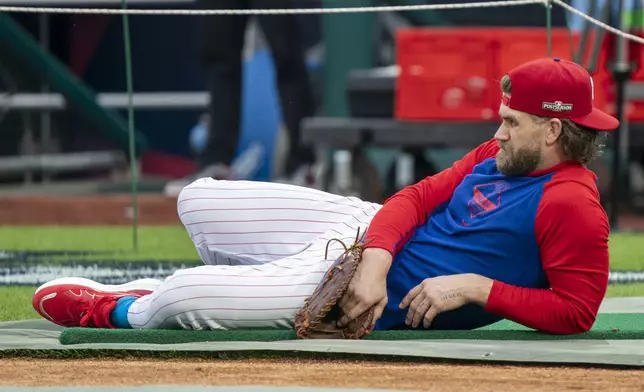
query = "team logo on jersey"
{"x": 557, "y": 106}
{"x": 486, "y": 197}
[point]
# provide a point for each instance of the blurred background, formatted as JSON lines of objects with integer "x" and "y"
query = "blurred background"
{"x": 360, "y": 104}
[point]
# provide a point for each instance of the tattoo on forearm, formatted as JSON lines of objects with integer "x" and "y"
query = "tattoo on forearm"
{"x": 451, "y": 295}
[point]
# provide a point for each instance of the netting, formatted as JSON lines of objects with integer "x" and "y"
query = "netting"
{"x": 332, "y": 10}
{"x": 125, "y": 11}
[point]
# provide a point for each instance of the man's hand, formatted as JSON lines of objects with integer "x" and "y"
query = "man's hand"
{"x": 443, "y": 293}
{"x": 368, "y": 288}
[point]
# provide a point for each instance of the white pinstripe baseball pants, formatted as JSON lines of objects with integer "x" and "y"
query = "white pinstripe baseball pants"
{"x": 263, "y": 245}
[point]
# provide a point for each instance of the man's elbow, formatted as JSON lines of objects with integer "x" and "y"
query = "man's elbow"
{"x": 576, "y": 321}
{"x": 581, "y": 325}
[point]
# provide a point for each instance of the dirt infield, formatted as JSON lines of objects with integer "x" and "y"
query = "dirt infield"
{"x": 104, "y": 210}
{"x": 316, "y": 373}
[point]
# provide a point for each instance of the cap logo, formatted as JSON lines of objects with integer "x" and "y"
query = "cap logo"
{"x": 557, "y": 106}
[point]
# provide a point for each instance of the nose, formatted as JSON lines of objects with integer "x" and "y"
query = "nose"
{"x": 502, "y": 134}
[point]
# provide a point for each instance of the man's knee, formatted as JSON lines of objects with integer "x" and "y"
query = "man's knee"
{"x": 186, "y": 194}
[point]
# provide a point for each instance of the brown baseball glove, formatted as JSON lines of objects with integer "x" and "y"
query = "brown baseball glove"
{"x": 318, "y": 317}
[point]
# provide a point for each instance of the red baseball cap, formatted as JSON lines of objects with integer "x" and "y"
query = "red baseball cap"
{"x": 552, "y": 87}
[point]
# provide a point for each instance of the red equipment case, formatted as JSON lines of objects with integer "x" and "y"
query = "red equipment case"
{"x": 453, "y": 74}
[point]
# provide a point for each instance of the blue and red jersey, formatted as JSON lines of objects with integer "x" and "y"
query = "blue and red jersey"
{"x": 542, "y": 238}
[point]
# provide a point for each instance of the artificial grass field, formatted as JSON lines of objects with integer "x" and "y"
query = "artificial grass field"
{"x": 615, "y": 326}
{"x": 172, "y": 244}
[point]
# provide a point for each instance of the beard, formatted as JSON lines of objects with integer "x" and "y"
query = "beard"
{"x": 518, "y": 161}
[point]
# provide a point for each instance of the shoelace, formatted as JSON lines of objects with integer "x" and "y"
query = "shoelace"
{"x": 90, "y": 317}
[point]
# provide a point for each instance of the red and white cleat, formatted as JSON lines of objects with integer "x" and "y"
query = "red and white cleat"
{"x": 80, "y": 302}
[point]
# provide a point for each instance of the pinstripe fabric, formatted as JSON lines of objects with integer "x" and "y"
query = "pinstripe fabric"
{"x": 263, "y": 245}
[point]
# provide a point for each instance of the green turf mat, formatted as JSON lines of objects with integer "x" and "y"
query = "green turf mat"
{"x": 615, "y": 326}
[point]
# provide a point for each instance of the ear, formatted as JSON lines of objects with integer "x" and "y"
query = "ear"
{"x": 554, "y": 131}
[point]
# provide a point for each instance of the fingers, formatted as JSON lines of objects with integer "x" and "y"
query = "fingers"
{"x": 353, "y": 313}
{"x": 424, "y": 312}
{"x": 430, "y": 315}
{"x": 357, "y": 308}
{"x": 413, "y": 306}
{"x": 417, "y": 309}
{"x": 379, "y": 308}
{"x": 420, "y": 312}
{"x": 410, "y": 296}
{"x": 347, "y": 302}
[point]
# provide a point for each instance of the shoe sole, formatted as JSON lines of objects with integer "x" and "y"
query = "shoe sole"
{"x": 136, "y": 285}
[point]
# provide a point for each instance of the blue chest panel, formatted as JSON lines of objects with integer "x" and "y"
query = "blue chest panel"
{"x": 486, "y": 228}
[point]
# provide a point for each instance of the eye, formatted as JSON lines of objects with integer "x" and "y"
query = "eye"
{"x": 510, "y": 121}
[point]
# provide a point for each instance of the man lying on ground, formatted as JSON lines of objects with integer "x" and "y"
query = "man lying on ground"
{"x": 514, "y": 230}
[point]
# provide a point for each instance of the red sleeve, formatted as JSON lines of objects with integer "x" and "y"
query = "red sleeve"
{"x": 572, "y": 232}
{"x": 409, "y": 208}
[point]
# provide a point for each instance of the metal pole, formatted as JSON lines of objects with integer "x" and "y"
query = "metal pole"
{"x": 45, "y": 115}
{"x": 549, "y": 26}
{"x": 621, "y": 75}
